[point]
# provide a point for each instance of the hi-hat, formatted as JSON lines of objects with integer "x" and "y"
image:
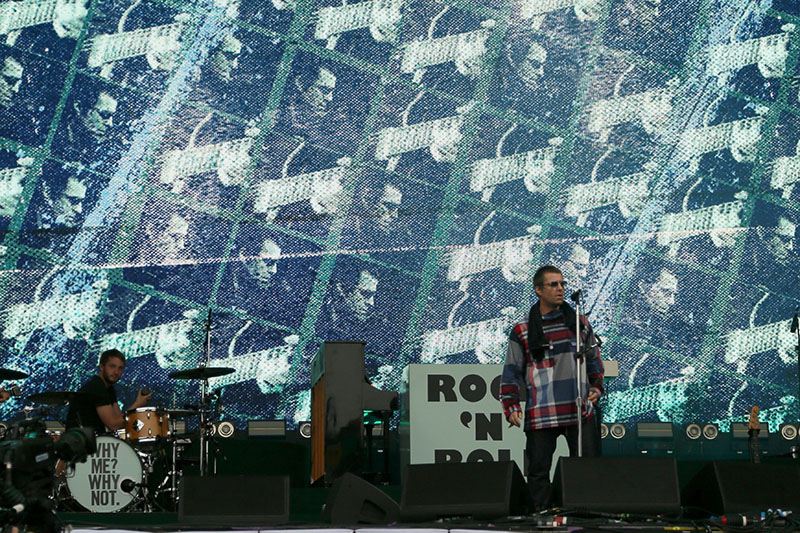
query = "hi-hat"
{"x": 56, "y": 397}
{"x": 202, "y": 372}
{"x": 7, "y": 373}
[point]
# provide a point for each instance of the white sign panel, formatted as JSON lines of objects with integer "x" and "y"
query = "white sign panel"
{"x": 454, "y": 415}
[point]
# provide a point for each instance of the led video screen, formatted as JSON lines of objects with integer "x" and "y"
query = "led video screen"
{"x": 394, "y": 171}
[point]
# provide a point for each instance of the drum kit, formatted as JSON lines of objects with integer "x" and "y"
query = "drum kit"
{"x": 138, "y": 467}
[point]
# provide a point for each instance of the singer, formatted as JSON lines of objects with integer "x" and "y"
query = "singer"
{"x": 96, "y": 406}
{"x": 542, "y": 357}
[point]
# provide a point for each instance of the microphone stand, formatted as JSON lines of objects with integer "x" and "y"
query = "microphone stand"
{"x": 581, "y": 367}
{"x": 795, "y": 329}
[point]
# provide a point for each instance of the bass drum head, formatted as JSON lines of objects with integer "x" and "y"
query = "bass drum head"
{"x": 97, "y": 483}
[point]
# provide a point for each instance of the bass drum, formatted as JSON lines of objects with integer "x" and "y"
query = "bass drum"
{"x": 97, "y": 484}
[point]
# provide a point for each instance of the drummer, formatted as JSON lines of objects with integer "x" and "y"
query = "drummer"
{"x": 97, "y": 407}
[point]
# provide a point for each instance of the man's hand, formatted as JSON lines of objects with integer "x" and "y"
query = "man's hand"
{"x": 515, "y": 419}
{"x": 141, "y": 399}
{"x": 4, "y": 395}
{"x": 593, "y": 396}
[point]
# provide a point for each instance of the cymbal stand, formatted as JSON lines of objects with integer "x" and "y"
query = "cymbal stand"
{"x": 174, "y": 472}
{"x": 144, "y": 492}
{"x": 203, "y": 400}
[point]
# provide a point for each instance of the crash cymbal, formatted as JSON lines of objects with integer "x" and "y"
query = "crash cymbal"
{"x": 203, "y": 372}
{"x": 7, "y": 373}
{"x": 181, "y": 413}
{"x": 56, "y": 397}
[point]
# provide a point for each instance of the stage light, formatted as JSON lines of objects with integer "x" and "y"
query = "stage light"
{"x": 225, "y": 429}
{"x": 274, "y": 429}
{"x": 657, "y": 437}
{"x": 654, "y": 430}
{"x": 788, "y": 431}
{"x": 304, "y": 429}
{"x": 710, "y": 431}
{"x": 739, "y": 430}
{"x": 603, "y": 431}
{"x": 694, "y": 431}
{"x": 617, "y": 430}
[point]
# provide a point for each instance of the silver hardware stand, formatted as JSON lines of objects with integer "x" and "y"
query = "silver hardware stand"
{"x": 203, "y": 393}
{"x": 580, "y": 362}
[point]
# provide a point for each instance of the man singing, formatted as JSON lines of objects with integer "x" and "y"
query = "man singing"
{"x": 97, "y": 407}
{"x": 541, "y": 355}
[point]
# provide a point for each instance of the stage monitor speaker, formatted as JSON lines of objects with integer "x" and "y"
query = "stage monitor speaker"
{"x": 482, "y": 490}
{"x": 642, "y": 485}
{"x": 239, "y": 500}
{"x": 723, "y": 487}
{"x": 355, "y": 501}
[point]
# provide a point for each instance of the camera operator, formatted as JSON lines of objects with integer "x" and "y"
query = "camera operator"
{"x": 97, "y": 407}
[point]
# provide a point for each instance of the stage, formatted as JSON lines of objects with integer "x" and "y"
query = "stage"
{"x": 306, "y": 510}
{"x": 154, "y": 522}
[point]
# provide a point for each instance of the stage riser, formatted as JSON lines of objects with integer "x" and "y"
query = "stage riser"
{"x": 732, "y": 487}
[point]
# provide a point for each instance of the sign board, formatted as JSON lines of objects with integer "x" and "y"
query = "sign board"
{"x": 451, "y": 413}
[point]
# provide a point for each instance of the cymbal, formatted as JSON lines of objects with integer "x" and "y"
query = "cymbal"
{"x": 56, "y": 397}
{"x": 203, "y": 372}
{"x": 181, "y": 413}
{"x": 7, "y": 373}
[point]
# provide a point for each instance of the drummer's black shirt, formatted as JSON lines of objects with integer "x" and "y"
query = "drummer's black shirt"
{"x": 97, "y": 394}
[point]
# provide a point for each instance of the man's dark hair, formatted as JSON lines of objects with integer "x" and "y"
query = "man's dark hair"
{"x": 108, "y": 354}
{"x": 539, "y": 276}
{"x": 85, "y": 96}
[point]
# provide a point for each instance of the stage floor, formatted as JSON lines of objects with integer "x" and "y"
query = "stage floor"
{"x": 159, "y": 522}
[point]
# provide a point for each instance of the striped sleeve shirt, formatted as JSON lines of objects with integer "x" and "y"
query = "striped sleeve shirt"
{"x": 550, "y": 384}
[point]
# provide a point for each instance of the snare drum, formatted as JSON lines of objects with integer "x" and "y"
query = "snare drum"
{"x": 97, "y": 483}
{"x": 146, "y": 424}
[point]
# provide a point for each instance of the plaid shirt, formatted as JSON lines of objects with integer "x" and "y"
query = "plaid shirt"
{"x": 550, "y": 383}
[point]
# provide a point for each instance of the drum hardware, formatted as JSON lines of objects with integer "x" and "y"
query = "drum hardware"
{"x": 204, "y": 372}
{"x": 177, "y": 442}
{"x": 181, "y": 413}
{"x": 55, "y": 398}
{"x": 9, "y": 374}
{"x": 14, "y": 391}
{"x": 28, "y": 411}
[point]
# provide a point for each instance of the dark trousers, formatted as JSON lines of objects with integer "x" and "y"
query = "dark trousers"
{"x": 540, "y": 444}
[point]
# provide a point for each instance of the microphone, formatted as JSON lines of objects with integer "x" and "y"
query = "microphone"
{"x": 794, "y": 322}
{"x": 129, "y": 485}
{"x": 208, "y": 319}
{"x": 576, "y": 295}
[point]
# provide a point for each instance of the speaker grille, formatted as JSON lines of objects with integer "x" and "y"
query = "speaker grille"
{"x": 246, "y": 500}
{"x": 646, "y": 485}
{"x": 481, "y": 490}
